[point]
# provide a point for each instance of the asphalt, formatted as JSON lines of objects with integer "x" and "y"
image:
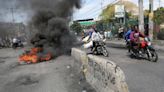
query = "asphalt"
{"x": 57, "y": 75}
{"x": 141, "y": 75}
{"x": 122, "y": 44}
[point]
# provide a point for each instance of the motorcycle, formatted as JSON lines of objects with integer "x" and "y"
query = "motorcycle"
{"x": 99, "y": 48}
{"x": 19, "y": 44}
{"x": 146, "y": 50}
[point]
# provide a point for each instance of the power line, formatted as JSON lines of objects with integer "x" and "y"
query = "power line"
{"x": 97, "y": 10}
{"x": 95, "y": 13}
{"x": 92, "y": 9}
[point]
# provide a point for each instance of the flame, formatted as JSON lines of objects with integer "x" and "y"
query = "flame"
{"x": 33, "y": 57}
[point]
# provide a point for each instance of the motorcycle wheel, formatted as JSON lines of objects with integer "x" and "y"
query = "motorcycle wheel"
{"x": 105, "y": 52}
{"x": 22, "y": 46}
{"x": 153, "y": 57}
{"x": 94, "y": 51}
{"x": 13, "y": 46}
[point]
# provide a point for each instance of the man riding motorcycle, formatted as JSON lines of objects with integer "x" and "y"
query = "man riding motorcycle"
{"x": 127, "y": 34}
{"x": 135, "y": 39}
{"x": 16, "y": 43}
{"x": 127, "y": 37}
{"x": 94, "y": 36}
{"x": 96, "y": 43}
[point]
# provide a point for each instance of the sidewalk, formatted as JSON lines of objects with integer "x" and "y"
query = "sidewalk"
{"x": 158, "y": 44}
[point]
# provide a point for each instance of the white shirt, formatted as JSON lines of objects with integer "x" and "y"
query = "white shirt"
{"x": 96, "y": 36}
{"x": 15, "y": 40}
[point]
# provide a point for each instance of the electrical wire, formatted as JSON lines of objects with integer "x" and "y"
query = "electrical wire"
{"x": 94, "y": 12}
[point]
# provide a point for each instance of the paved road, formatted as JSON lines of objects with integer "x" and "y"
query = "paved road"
{"x": 141, "y": 75}
{"x": 57, "y": 75}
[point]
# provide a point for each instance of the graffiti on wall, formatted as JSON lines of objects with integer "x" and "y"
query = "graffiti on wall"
{"x": 99, "y": 72}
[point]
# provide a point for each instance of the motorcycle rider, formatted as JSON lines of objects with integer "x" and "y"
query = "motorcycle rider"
{"x": 15, "y": 42}
{"x": 127, "y": 37}
{"x": 94, "y": 37}
{"x": 127, "y": 34}
{"x": 135, "y": 39}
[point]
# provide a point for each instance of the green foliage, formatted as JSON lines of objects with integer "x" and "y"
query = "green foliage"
{"x": 109, "y": 12}
{"x": 158, "y": 16}
{"x": 76, "y": 27}
{"x": 146, "y": 13}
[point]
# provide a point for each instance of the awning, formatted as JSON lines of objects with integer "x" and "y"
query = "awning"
{"x": 87, "y": 23}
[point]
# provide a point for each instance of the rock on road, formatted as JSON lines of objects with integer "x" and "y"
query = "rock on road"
{"x": 141, "y": 75}
{"x": 56, "y": 75}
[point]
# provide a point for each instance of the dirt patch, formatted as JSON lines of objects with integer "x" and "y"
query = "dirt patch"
{"x": 26, "y": 80}
{"x": 5, "y": 57}
{"x": 2, "y": 61}
{"x": 23, "y": 80}
{"x": 14, "y": 65}
{"x": 21, "y": 83}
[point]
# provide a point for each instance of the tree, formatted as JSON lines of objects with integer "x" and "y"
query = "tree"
{"x": 159, "y": 19}
{"x": 146, "y": 13}
{"x": 76, "y": 27}
{"x": 158, "y": 16}
{"x": 109, "y": 12}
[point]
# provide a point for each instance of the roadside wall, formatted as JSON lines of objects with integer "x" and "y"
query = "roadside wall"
{"x": 104, "y": 75}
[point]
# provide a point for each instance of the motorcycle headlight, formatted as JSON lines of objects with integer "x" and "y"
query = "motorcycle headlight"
{"x": 128, "y": 40}
{"x": 149, "y": 43}
{"x": 104, "y": 40}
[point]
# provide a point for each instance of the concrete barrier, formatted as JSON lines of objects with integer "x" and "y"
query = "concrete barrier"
{"x": 104, "y": 75}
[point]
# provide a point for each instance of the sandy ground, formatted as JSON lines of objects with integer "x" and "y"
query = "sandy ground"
{"x": 57, "y": 75}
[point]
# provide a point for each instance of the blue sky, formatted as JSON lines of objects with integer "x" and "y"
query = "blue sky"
{"x": 92, "y": 8}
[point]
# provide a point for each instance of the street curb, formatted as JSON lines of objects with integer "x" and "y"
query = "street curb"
{"x": 103, "y": 74}
{"x": 116, "y": 45}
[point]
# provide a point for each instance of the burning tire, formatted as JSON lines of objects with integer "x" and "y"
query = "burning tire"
{"x": 34, "y": 57}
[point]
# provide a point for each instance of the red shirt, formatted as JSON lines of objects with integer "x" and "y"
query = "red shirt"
{"x": 134, "y": 36}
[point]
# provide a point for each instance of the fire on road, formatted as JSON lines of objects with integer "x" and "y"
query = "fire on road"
{"x": 56, "y": 75}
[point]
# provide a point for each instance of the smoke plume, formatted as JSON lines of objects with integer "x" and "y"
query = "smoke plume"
{"x": 51, "y": 18}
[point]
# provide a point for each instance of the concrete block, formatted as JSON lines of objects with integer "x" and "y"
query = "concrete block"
{"x": 103, "y": 74}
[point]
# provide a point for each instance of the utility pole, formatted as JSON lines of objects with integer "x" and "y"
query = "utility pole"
{"x": 141, "y": 16}
{"x": 12, "y": 12}
{"x": 101, "y": 4}
{"x": 151, "y": 23}
{"x": 102, "y": 10}
{"x": 159, "y": 3}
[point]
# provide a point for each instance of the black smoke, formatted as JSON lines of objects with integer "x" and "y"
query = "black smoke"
{"x": 50, "y": 18}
